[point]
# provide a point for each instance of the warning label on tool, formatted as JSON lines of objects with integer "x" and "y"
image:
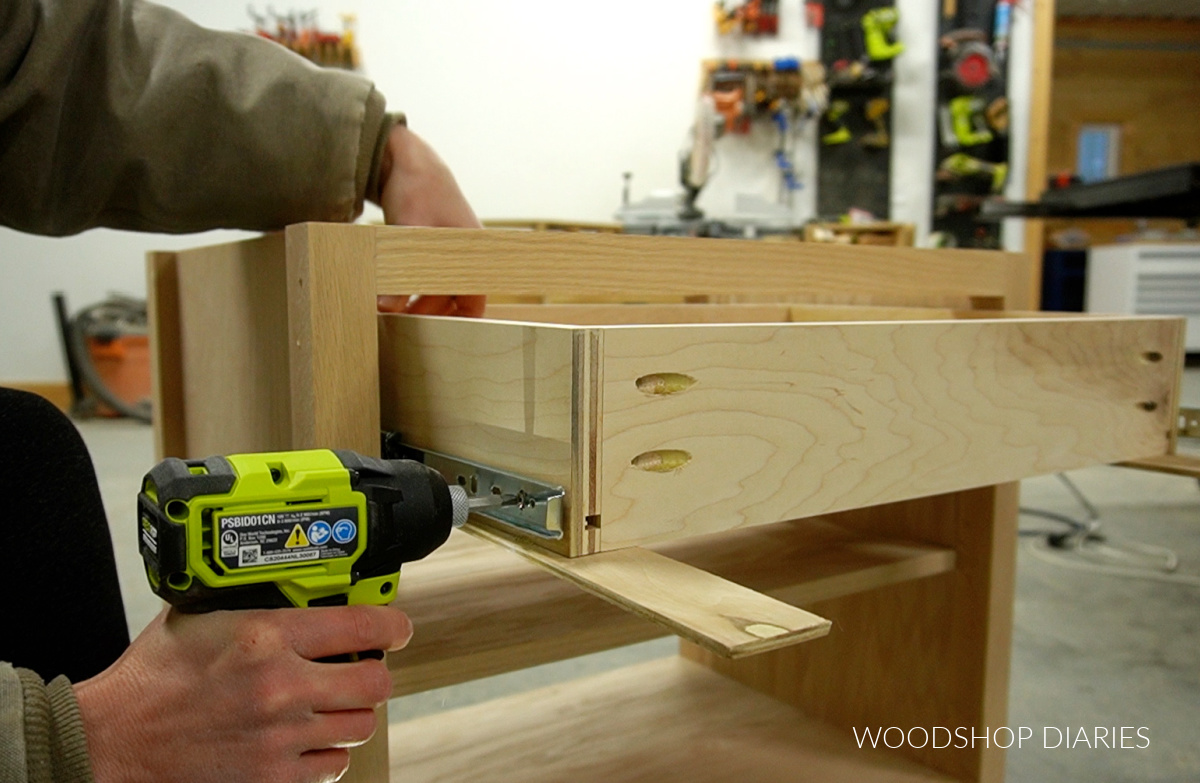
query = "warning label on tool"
{"x": 246, "y": 540}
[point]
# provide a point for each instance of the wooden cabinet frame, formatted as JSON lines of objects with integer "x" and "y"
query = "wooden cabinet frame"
{"x": 274, "y": 343}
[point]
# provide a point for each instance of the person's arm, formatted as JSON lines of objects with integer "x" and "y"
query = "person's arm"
{"x": 240, "y": 696}
{"x": 124, "y": 114}
{"x": 418, "y": 189}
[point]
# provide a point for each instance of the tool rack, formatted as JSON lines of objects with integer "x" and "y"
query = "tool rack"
{"x": 828, "y": 517}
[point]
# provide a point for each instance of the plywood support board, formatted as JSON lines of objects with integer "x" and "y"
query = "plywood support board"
{"x": 481, "y": 610}
{"x": 1177, "y": 464}
{"x": 721, "y": 616}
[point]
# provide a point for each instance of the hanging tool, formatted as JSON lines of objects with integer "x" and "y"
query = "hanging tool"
{"x": 814, "y": 94}
{"x": 814, "y": 14}
{"x": 843, "y": 50}
{"x": 997, "y": 115}
{"x": 967, "y": 57}
{"x": 875, "y": 112}
{"x": 729, "y": 90}
{"x": 963, "y": 123}
{"x": 835, "y": 117}
{"x": 783, "y": 154}
{"x": 694, "y": 162}
{"x": 753, "y": 17}
{"x": 298, "y": 528}
{"x": 878, "y": 27}
{"x": 960, "y": 165}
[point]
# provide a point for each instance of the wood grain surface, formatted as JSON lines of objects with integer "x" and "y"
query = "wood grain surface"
{"x": 166, "y": 355}
{"x": 730, "y": 620}
{"x": 481, "y": 610}
{"x": 928, "y": 652}
{"x": 662, "y": 721}
{"x": 800, "y": 419}
{"x": 504, "y": 395}
{"x": 1177, "y": 464}
{"x": 233, "y": 312}
{"x": 333, "y": 347}
{"x": 548, "y": 263}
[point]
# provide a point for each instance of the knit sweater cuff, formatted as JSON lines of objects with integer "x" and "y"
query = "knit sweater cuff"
{"x": 55, "y": 743}
{"x": 377, "y": 126}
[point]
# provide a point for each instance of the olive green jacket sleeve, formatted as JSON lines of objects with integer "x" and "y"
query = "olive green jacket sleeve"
{"x": 41, "y": 733}
{"x": 124, "y": 114}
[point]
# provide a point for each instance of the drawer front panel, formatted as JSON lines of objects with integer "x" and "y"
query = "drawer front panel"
{"x": 742, "y": 425}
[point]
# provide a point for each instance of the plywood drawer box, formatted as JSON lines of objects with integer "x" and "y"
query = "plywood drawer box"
{"x": 697, "y": 418}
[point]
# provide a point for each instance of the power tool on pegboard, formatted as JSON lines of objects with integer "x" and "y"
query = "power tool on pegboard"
{"x": 963, "y": 122}
{"x": 752, "y": 17}
{"x": 859, "y": 47}
{"x": 298, "y": 528}
{"x": 973, "y": 117}
{"x": 967, "y": 58}
{"x": 879, "y": 26}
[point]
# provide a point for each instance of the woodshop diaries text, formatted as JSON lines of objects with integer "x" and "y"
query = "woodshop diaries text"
{"x": 1097, "y": 737}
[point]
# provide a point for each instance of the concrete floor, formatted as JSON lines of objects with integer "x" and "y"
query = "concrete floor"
{"x": 1091, "y": 648}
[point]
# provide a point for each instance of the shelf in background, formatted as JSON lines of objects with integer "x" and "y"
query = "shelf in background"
{"x": 480, "y": 610}
{"x": 664, "y": 720}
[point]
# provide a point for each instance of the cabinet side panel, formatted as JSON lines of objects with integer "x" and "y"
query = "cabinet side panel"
{"x": 233, "y": 336}
{"x": 931, "y": 652}
{"x": 166, "y": 355}
{"x": 708, "y": 428}
{"x": 332, "y": 341}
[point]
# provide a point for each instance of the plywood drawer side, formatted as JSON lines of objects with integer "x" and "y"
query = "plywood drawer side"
{"x": 791, "y": 420}
{"x": 663, "y": 432}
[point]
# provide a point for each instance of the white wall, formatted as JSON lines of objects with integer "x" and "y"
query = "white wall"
{"x": 537, "y": 106}
{"x": 1020, "y": 93}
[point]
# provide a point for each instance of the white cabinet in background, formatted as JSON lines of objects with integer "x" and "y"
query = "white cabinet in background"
{"x": 1147, "y": 279}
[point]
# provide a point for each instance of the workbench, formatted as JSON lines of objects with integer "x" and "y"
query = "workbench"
{"x": 808, "y": 472}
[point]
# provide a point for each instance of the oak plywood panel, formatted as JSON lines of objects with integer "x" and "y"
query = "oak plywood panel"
{"x": 666, "y": 720}
{"x": 931, "y": 652}
{"x": 481, "y": 610}
{"x": 166, "y": 355}
{"x": 797, "y": 420}
{"x": 717, "y": 614}
{"x": 233, "y": 322}
{"x": 623, "y": 314}
{"x": 464, "y": 261}
{"x": 331, "y": 338}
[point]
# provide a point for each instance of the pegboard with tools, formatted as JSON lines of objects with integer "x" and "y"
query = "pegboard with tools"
{"x": 972, "y": 146}
{"x": 751, "y": 17}
{"x": 784, "y": 92}
{"x": 858, "y": 48}
{"x": 300, "y": 32}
